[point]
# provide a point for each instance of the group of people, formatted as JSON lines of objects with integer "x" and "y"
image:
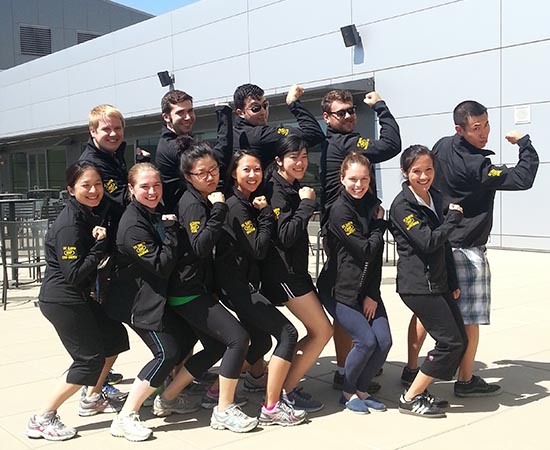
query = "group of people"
{"x": 170, "y": 248}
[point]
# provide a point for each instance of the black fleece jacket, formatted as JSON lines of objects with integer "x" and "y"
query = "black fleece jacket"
{"x": 426, "y": 264}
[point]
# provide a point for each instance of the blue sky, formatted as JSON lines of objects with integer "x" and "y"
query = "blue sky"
{"x": 155, "y": 7}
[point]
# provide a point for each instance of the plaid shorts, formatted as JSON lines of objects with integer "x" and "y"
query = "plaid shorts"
{"x": 474, "y": 279}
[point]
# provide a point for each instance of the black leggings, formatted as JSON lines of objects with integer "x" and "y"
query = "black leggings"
{"x": 166, "y": 354}
{"x": 440, "y": 316}
{"x": 89, "y": 336}
{"x": 262, "y": 320}
{"x": 220, "y": 333}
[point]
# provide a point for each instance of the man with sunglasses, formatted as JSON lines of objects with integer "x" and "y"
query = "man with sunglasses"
{"x": 251, "y": 129}
{"x": 178, "y": 116}
{"x": 340, "y": 115}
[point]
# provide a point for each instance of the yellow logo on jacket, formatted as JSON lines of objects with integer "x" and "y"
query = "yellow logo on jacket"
{"x": 141, "y": 249}
{"x": 282, "y": 131}
{"x": 194, "y": 227}
{"x": 110, "y": 186}
{"x": 494, "y": 173}
{"x": 69, "y": 253}
{"x": 248, "y": 227}
{"x": 363, "y": 143}
{"x": 349, "y": 228}
{"x": 277, "y": 212}
{"x": 410, "y": 222}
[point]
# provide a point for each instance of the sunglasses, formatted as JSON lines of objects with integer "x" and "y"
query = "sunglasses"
{"x": 203, "y": 176}
{"x": 341, "y": 113}
{"x": 257, "y": 107}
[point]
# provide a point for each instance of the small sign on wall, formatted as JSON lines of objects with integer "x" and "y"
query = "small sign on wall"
{"x": 522, "y": 114}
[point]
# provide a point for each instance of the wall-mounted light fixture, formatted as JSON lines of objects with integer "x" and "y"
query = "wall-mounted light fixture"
{"x": 166, "y": 79}
{"x": 350, "y": 35}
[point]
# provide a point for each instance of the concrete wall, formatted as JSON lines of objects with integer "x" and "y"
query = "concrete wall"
{"x": 64, "y": 17}
{"x": 425, "y": 57}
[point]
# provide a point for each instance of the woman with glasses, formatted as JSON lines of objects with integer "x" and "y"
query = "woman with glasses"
{"x": 285, "y": 276}
{"x": 202, "y": 213}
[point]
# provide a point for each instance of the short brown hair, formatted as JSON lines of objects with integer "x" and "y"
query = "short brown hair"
{"x": 173, "y": 98}
{"x": 101, "y": 111}
{"x": 332, "y": 96}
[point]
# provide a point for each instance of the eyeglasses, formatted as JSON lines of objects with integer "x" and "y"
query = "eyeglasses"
{"x": 257, "y": 107}
{"x": 203, "y": 176}
{"x": 341, "y": 113}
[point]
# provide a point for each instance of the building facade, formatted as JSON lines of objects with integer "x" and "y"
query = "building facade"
{"x": 424, "y": 56}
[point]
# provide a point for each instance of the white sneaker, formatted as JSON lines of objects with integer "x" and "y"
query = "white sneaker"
{"x": 232, "y": 419}
{"x": 130, "y": 427}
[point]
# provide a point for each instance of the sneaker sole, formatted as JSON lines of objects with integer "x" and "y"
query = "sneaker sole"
{"x": 168, "y": 412}
{"x": 223, "y": 426}
{"x": 427, "y": 416}
{"x": 283, "y": 424}
{"x": 120, "y": 434}
{"x": 477, "y": 394}
{"x": 32, "y": 434}
{"x": 89, "y": 413}
{"x": 253, "y": 389}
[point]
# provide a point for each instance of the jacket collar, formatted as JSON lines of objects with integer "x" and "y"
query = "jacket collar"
{"x": 463, "y": 144}
{"x": 368, "y": 201}
{"x": 154, "y": 216}
{"x": 289, "y": 188}
{"x": 93, "y": 216}
{"x": 332, "y": 131}
{"x": 119, "y": 152}
{"x": 435, "y": 193}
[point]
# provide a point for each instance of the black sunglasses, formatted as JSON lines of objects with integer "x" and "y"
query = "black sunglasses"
{"x": 341, "y": 113}
{"x": 257, "y": 107}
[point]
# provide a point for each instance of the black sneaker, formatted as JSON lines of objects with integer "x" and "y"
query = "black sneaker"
{"x": 373, "y": 387}
{"x": 437, "y": 401}
{"x": 338, "y": 381}
{"x": 408, "y": 375}
{"x": 421, "y": 406}
{"x": 476, "y": 387}
{"x": 380, "y": 372}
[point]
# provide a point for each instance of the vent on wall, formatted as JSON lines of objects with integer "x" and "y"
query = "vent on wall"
{"x": 83, "y": 36}
{"x": 35, "y": 40}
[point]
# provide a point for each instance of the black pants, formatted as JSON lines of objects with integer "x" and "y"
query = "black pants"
{"x": 262, "y": 320}
{"x": 440, "y": 316}
{"x": 220, "y": 333}
{"x": 166, "y": 354}
{"x": 89, "y": 336}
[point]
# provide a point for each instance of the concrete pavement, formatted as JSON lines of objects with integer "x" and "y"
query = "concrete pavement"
{"x": 514, "y": 350}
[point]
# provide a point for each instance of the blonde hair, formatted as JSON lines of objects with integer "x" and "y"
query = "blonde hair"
{"x": 101, "y": 111}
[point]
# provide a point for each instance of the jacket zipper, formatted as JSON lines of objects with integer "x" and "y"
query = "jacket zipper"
{"x": 428, "y": 277}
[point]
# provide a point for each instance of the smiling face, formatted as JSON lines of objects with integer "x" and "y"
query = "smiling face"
{"x": 248, "y": 174}
{"x": 204, "y": 175}
{"x": 340, "y": 118}
{"x": 108, "y": 134}
{"x": 181, "y": 117}
{"x": 356, "y": 180}
{"x": 294, "y": 165}
{"x": 147, "y": 188}
{"x": 421, "y": 175}
{"x": 88, "y": 188}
